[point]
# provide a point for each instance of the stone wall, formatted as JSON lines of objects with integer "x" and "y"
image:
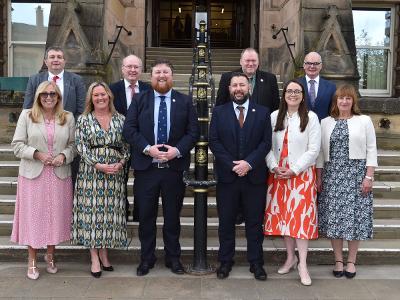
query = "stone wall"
{"x": 3, "y": 37}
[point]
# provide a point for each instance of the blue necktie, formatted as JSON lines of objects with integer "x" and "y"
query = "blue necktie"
{"x": 311, "y": 92}
{"x": 162, "y": 136}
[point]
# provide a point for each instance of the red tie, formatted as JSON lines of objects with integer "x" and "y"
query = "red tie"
{"x": 132, "y": 87}
{"x": 241, "y": 116}
{"x": 55, "y": 78}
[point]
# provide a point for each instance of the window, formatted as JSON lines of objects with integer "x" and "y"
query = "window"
{"x": 374, "y": 39}
{"x": 27, "y": 36}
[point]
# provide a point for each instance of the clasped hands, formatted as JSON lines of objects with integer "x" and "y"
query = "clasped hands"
{"x": 283, "y": 173}
{"x": 163, "y": 156}
{"x": 48, "y": 159}
{"x": 241, "y": 167}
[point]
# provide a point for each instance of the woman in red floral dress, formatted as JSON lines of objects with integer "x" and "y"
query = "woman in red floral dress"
{"x": 291, "y": 209}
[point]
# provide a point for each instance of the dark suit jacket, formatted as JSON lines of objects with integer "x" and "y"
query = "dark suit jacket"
{"x": 139, "y": 129}
{"x": 224, "y": 141}
{"x": 265, "y": 93}
{"x": 325, "y": 93}
{"x": 74, "y": 91}
{"x": 118, "y": 90}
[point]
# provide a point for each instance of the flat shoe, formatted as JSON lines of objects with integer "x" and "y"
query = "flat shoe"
{"x": 338, "y": 274}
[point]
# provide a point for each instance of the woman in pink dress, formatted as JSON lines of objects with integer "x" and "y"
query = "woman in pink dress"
{"x": 44, "y": 141}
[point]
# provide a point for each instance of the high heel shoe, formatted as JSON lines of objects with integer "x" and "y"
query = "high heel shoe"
{"x": 305, "y": 278}
{"x": 286, "y": 269}
{"x": 51, "y": 265}
{"x": 95, "y": 274}
{"x": 33, "y": 272}
{"x": 338, "y": 274}
{"x": 104, "y": 268}
{"x": 350, "y": 275}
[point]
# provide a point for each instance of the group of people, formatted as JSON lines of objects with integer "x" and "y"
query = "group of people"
{"x": 299, "y": 167}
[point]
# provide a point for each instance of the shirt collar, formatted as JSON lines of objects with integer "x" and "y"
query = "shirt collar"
{"x": 60, "y": 76}
{"x": 127, "y": 84}
{"x": 316, "y": 79}
{"x": 245, "y": 105}
{"x": 167, "y": 95}
{"x": 295, "y": 115}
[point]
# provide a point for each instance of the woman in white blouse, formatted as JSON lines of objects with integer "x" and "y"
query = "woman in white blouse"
{"x": 291, "y": 209}
{"x": 348, "y": 158}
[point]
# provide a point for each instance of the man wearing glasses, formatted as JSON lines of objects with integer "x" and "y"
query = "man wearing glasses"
{"x": 319, "y": 92}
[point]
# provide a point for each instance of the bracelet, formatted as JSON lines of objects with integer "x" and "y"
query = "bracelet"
{"x": 369, "y": 178}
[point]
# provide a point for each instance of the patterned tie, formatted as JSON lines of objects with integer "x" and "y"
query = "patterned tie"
{"x": 311, "y": 92}
{"x": 55, "y": 78}
{"x": 162, "y": 122}
{"x": 132, "y": 87}
{"x": 241, "y": 116}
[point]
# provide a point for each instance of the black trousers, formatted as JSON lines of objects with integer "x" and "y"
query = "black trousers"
{"x": 252, "y": 198}
{"x": 149, "y": 184}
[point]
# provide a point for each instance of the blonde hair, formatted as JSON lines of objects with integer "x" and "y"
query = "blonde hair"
{"x": 36, "y": 113}
{"x": 342, "y": 91}
{"x": 89, "y": 107}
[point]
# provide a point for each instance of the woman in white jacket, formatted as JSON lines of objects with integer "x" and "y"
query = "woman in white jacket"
{"x": 348, "y": 158}
{"x": 291, "y": 209}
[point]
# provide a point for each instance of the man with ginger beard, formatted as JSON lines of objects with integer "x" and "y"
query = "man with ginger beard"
{"x": 161, "y": 126}
{"x": 240, "y": 139}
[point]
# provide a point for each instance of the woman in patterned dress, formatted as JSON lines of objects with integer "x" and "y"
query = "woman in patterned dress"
{"x": 44, "y": 141}
{"x": 291, "y": 209}
{"x": 348, "y": 158}
{"x": 99, "y": 220}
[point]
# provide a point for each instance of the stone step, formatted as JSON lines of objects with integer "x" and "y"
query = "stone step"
{"x": 383, "y": 228}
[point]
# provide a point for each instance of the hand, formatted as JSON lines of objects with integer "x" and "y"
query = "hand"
{"x": 107, "y": 169}
{"x": 154, "y": 151}
{"x": 319, "y": 184}
{"x": 286, "y": 174}
{"x": 241, "y": 167}
{"x": 45, "y": 158}
{"x": 366, "y": 186}
{"x": 58, "y": 160}
{"x": 278, "y": 170}
{"x": 171, "y": 153}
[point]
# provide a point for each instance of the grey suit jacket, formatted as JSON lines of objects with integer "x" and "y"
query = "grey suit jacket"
{"x": 74, "y": 91}
{"x": 30, "y": 136}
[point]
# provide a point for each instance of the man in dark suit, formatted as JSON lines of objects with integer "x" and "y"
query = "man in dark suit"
{"x": 71, "y": 85}
{"x": 124, "y": 90}
{"x": 264, "y": 86}
{"x": 240, "y": 139}
{"x": 161, "y": 126}
{"x": 319, "y": 92}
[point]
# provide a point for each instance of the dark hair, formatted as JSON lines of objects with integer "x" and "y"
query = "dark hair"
{"x": 54, "y": 48}
{"x": 342, "y": 91}
{"x": 303, "y": 112}
{"x": 238, "y": 74}
{"x": 162, "y": 61}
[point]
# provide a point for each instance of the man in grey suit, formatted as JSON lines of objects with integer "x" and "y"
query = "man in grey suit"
{"x": 71, "y": 85}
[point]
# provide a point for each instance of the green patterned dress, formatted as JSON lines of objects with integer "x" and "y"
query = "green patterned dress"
{"x": 99, "y": 201}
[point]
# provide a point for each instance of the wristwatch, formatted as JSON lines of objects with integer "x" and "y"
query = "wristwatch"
{"x": 146, "y": 150}
{"x": 369, "y": 178}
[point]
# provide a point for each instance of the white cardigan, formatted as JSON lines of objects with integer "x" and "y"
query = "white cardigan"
{"x": 362, "y": 140}
{"x": 303, "y": 147}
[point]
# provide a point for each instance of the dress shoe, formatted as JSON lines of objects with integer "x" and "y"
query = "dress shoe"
{"x": 96, "y": 274}
{"x": 350, "y": 275}
{"x": 338, "y": 273}
{"x": 286, "y": 268}
{"x": 223, "y": 270}
{"x": 175, "y": 266}
{"x": 239, "y": 218}
{"x": 144, "y": 268}
{"x": 51, "y": 265}
{"x": 258, "y": 271}
{"x": 305, "y": 278}
{"x": 104, "y": 268}
{"x": 33, "y": 271}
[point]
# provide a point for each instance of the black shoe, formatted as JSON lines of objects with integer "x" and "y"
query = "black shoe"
{"x": 96, "y": 274}
{"x": 104, "y": 268}
{"x": 258, "y": 271}
{"x": 338, "y": 274}
{"x": 350, "y": 275}
{"x": 239, "y": 218}
{"x": 144, "y": 268}
{"x": 223, "y": 270}
{"x": 175, "y": 266}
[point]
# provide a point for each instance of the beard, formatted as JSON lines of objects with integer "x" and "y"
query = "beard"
{"x": 239, "y": 101}
{"x": 162, "y": 88}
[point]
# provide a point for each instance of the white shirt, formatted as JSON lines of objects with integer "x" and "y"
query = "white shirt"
{"x": 245, "y": 109}
{"x": 316, "y": 84}
{"x": 59, "y": 82}
{"x": 128, "y": 92}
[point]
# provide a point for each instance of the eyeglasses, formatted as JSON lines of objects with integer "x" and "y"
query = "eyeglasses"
{"x": 130, "y": 67}
{"x": 46, "y": 94}
{"x": 293, "y": 92}
{"x": 308, "y": 63}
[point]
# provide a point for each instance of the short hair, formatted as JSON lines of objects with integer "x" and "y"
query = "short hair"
{"x": 248, "y": 50}
{"x": 36, "y": 113}
{"x": 54, "y": 48}
{"x": 135, "y": 56}
{"x": 89, "y": 107}
{"x": 162, "y": 61}
{"x": 238, "y": 74}
{"x": 342, "y": 91}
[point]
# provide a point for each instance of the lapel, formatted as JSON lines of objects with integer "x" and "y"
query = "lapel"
{"x": 122, "y": 96}
{"x": 67, "y": 83}
{"x": 172, "y": 113}
{"x": 232, "y": 120}
{"x": 258, "y": 89}
{"x": 42, "y": 129}
{"x": 249, "y": 121}
{"x": 151, "y": 117}
{"x": 321, "y": 89}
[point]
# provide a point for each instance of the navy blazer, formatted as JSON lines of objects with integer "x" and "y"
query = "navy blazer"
{"x": 326, "y": 91}
{"x": 118, "y": 90}
{"x": 74, "y": 91}
{"x": 224, "y": 141}
{"x": 265, "y": 93}
{"x": 139, "y": 129}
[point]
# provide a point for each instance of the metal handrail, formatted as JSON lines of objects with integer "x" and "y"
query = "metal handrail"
{"x": 288, "y": 45}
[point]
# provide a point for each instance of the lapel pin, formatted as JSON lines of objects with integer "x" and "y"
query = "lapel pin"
{"x": 173, "y": 100}
{"x": 262, "y": 80}
{"x": 253, "y": 110}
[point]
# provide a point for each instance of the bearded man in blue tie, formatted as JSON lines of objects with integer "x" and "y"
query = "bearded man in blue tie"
{"x": 161, "y": 126}
{"x": 319, "y": 91}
